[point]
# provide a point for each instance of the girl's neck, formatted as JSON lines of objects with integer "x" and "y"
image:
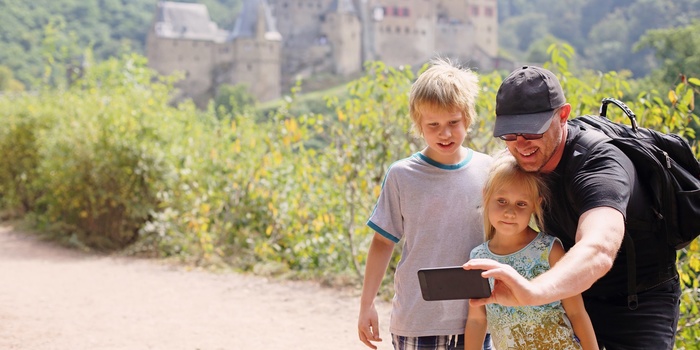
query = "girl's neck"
{"x": 502, "y": 244}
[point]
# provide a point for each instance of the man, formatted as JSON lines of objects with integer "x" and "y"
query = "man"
{"x": 590, "y": 211}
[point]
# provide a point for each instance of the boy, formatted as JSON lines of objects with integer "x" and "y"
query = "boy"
{"x": 431, "y": 199}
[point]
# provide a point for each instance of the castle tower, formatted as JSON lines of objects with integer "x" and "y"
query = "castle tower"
{"x": 485, "y": 19}
{"x": 468, "y": 30}
{"x": 255, "y": 52}
{"x": 182, "y": 38}
{"x": 343, "y": 32}
{"x": 403, "y": 32}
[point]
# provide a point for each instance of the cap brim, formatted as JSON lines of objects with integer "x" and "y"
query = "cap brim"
{"x": 534, "y": 123}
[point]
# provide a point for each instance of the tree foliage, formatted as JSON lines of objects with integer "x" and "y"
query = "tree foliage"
{"x": 109, "y": 28}
{"x": 603, "y": 32}
{"x": 677, "y": 51}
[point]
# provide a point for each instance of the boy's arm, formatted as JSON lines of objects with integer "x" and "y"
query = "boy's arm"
{"x": 575, "y": 309}
{"x": 475, "y": 330}
{"x": 378, "y": 258}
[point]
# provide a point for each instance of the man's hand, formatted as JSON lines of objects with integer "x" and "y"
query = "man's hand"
{"x": 368, "y": 326}
{"x": 509, "y": 288}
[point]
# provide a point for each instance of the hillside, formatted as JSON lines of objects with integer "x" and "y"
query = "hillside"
{"x": 603, "y": 32}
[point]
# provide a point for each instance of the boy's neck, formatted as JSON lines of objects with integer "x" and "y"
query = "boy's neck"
{"x": 452, "y": 159}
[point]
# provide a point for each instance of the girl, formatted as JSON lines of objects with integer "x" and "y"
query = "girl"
{"x": 511, "y": 198}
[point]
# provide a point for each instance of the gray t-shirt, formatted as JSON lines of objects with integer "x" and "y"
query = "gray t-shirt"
{"x": 435, "y": 208}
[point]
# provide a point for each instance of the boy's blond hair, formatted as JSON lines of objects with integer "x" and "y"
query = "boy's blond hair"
{"x": 444, "y": 86}
{"x": 505, "y": 170}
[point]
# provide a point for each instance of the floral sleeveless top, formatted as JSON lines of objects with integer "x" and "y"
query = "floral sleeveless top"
{"x": 528, "y": 327}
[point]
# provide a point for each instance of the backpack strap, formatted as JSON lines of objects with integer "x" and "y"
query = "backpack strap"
{"x": 583, "y": 145}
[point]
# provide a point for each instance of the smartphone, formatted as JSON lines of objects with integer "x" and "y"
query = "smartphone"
{"x": 452, "y": 282}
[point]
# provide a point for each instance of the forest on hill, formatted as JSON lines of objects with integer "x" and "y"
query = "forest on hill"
{"x": 603, "y": 32}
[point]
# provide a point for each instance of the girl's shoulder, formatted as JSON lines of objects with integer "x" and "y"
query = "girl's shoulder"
{"x": 547, "y": 240}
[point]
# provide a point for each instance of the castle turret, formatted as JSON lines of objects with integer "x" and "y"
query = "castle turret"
{"x": 343, "y": 32}
{"x": 182, "y": 38}
{"x": 255, "y": 44}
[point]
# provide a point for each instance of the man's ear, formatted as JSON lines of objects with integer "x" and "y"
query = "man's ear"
{"x": 564, "y": 112}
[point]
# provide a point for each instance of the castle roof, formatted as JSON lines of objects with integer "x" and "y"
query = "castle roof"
{"x": 255, "y": 19}
{"x": 343, "y": 6}
{"x": 186, "y": 21}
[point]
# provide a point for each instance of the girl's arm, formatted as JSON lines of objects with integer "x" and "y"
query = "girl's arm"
{"x": 475, "y": 330}
{"x": 583, "y": 328}
{"x": 575, "y": 309}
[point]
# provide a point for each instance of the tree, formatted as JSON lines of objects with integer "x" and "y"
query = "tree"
{"x": 676, "y": 49}
{"x": 233, "y": 99}
{"x": 8, "y": 81}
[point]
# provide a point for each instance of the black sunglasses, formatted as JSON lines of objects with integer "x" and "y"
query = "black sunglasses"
{"x": 513, "y": 137}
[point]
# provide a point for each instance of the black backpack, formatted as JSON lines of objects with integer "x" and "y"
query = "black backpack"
{"x": 665, "y": 165}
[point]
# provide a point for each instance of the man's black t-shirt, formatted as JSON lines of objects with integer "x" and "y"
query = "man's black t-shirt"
{"x": 607, "y": 179}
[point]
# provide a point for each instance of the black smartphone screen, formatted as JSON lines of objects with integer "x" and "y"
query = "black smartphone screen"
{"x": 451, "y": 283}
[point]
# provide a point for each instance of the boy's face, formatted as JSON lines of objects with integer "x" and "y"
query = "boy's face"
{"x": 444, "y": 132}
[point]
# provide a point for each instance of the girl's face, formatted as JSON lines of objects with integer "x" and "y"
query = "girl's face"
{"x": 510, "y": 209}
{"x": 444, "y": 132}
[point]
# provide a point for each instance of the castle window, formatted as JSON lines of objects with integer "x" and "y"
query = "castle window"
{"x": 475, "y": 11}
{"x": 488, "y": 11}
{"x": 249, "y": 66}
{"x": 407, "y": 30}
{"x": 378, "y": 13}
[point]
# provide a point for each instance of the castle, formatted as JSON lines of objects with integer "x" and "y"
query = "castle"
{"x": 275, "y": 42}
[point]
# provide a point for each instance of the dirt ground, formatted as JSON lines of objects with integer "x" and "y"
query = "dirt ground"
{"x": 55, "y": 298}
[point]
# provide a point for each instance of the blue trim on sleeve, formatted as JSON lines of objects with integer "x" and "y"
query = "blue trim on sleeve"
{"x": 381, "y": 231}
{"x": 447, "y": 166}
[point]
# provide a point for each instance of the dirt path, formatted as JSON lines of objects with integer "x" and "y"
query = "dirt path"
{"x": 53, "y": 298}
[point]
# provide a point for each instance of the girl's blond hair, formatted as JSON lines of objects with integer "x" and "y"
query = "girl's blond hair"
{"x": 505, "y": 170}
{"x": 445, "y": 86}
